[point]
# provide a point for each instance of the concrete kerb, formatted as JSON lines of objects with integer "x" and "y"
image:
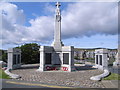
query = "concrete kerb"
{"x": 99, "y": 77}
{"x": 14, "y": 76}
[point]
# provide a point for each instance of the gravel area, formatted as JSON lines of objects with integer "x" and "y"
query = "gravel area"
{"x": 79, "y": 78}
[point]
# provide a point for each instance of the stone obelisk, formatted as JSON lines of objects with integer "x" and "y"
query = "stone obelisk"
{"x": 57, "y": 55}
{"x": 57, "y": 43}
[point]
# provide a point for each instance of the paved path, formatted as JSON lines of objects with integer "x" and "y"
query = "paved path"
{"x": 80, "y": 78}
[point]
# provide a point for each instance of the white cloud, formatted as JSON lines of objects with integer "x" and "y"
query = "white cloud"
{"x": 78, "y": 20}
{"x": 49, "y": 8}
{"x": 12, "y": 23}
{"x": 41, "y": 28}
{"x": 82, "y": 19}
{"x": 11, "y": 12}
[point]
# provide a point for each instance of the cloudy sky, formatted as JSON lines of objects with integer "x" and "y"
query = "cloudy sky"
{"x": 84, "y": 24}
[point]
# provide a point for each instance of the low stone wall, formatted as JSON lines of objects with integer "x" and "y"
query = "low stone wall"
{"x": 14, "y": 76}
{"x": 99, "y": 77}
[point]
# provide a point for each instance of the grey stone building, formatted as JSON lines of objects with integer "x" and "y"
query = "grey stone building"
{"x": 83, "y": 53}
{"x": 90, "y": 53}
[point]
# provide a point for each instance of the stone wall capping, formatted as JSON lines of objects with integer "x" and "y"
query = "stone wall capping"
{"x": 99, "y": 77}
{"x": 14, "y": 76}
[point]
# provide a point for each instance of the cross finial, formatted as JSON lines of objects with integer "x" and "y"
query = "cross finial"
{"x": 58, "y": 4}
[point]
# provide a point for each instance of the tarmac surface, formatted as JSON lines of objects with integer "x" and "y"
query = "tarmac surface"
{"x": 8, "y": 83}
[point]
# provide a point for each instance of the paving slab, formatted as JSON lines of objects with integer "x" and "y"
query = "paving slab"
{"x": 79, "y": 78}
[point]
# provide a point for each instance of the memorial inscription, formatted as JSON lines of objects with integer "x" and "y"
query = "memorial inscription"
{"x": 65, "y": 58}
{"x": 47, "y": 58}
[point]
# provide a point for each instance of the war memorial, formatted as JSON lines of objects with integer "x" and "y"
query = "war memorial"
{"x": 57, "y": 64}
{"x": 57, "y": 55}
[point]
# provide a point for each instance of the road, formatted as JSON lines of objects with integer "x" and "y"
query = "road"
{"x": 16, "y": 84}
{"x": 7, "y": 83}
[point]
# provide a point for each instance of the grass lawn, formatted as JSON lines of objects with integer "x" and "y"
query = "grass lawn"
{"x": 3, "y": 75}
{"x": 113, "y": 76}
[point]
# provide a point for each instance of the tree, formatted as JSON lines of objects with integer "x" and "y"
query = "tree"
{"x": 30, "y": 53}
{"x": 3, "y": 55}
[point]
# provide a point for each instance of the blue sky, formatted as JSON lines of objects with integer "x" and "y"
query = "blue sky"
{"x": 34, "y": 9}
{"x": 84, "y": 25}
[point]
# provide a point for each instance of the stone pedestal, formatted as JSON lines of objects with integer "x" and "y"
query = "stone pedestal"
{"x": 68, "y": 58}
{"x": 101, "y": 59}
{"x": 50, "y": 59}
{"x": 14, "y": 58}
